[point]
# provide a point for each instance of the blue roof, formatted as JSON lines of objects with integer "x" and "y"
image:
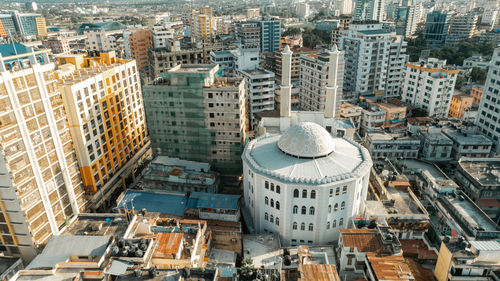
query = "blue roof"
{"x": 105, "y": 25}
{"x": 213, "y": 200}
{"x": 8, "y": 50}
{"x": 154, "y": 202}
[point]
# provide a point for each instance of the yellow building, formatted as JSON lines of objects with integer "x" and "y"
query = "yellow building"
{"x": 103, "y": 101}
{"x": 41, "y": 27}
{"x": 201, "y": 25}
{"x": 459, "y": 105}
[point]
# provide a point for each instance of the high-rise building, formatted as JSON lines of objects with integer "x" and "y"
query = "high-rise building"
{"x": 270, "y": 32}
{"x": 459, "y": 105}
{"x": 253, "y": 13}
{"x": 314, "y": 69}
{"x": 202, "y": 25}
{"x": 57, "y": 45}
{"x": 22, "y": 24}
{"x": 103, "y": 100}
{"x": 248, "y": 33}
{"x": 437, "y": 26}
{"x": 260, "y": 86}
{"x": 369, "y": 10}
{"x": 489, "y": 110}
{"x": 41, "y": 191}
{"x": 344, "y": 7}
{"x": 303, "y": 10}
{"x": 7, "y": 27}
{"x": 161, "y": 35}
{"x": 407, "y": 18}
{"x": 462, "y": 27}
{"x": 137, "y": 42}
{"x": 429, "y": 85}
{"x": 105, "y": 41}
{"x": 41, "y": 27}
{"x": 194, "y": 115}
{"x": 344, "y": 22}
{"x": 374, "y": 60}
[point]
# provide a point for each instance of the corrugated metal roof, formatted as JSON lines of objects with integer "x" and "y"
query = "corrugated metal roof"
{"x": 486, "y": 245}
{"x": 213, "y": 200}
{"x": 8, "y": 50}
{"x": 169, "y": 244}
{"x": 319, "y": 272}
{"x": 154, "y": 202}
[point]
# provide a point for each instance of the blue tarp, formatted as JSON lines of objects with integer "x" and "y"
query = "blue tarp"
{"x": 154, "y": 202}
{"x": 213, "y": 200}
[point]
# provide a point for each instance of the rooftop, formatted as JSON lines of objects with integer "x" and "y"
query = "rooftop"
{"x": 390, "y": 268}
{"x": 258, "y": 245}
{"x": 164, "y": 203}
{"x": 319, "y": 272}
{"x": 169, "y": 244}
{"x": 213, "y": 201}
{"x": 365, "y": 240}
{"x": 99, "y": 224}
{"x": 484, "y": 170}
{"x": 467, "y": 138}
{"x": 307, "y": 140}
{"x": 257, "y": 72}
{"x": 374, "y": 32}
{"x": 7, "y": 262}
{"x": 7, "y": 50}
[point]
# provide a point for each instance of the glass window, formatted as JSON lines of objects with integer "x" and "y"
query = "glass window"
{"x": 272, "y": 203}
{"x": 266, "y": 216}
{"x": 329, "y": 208}
{"x": 278, "y": 189}
{"x": 311, "y": 211}
{"x": 266, "y": 200}
{"x": 304, "y": 193}
{"x": 302, "y": 226}
{"x": 334, "y": 223}
{"x": 311, "y": 227}
{"x": 277, "y": 221}
{"x": 277, "y": 205}
{"x": 344, "y": 189}
{"x": 336, "y": 207}
{"x": 271, "y": 219}
{"x": 342, "y": 206}
{"x": 304, "y": 210}
{"x": 296, "y": 193}
{"x": 295, "y": 209}
{"x": 272, "y": 186}
{"x": 341, "y": 222}
{"x": 294, "y": 226}
{"x": 313, "y": 194}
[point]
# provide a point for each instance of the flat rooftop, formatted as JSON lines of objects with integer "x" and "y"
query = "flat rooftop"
{"x": 467, "y": 138}
{"x": 213, "y": 201}
{"x": 417, "y": 165}
{"x": 257, "y": 72}
{"x": 315, "y": 272}
{"x": 193, "y": 68}
{"x": 98, "y": 224}
{"x": 156, "y": 202}
{"x": 485, "y": 170}
{"x": 471, "y": 213}
{"x": 6, "y": 263}
{"x": 257, "y": 246}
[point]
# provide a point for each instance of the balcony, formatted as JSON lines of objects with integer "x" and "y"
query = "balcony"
{"x": 7, "y": 121}
{"x": 9, "y": 135}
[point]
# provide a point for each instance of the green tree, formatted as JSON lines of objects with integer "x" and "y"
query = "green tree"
{"x": 460, "y": 83}
{"x": 478, "y": 75}
{"x": 247, "y": 270}
{"x": 315, "y": 37}
{"x": 292, "y": 31}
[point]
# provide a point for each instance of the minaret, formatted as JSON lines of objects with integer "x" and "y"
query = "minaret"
{"x": 331, "y": 87}
{"x": 286, "y": 83}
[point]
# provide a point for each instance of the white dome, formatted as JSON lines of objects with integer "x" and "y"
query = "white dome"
{"x": 306, "y": 140}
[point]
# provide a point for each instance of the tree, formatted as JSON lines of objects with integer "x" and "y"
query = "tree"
{"x": 292, "y": 31}
{"x": 247, "y": 270}
{"x": 415, "y": 47}
{"x": 314, "y": 37}
{"x": 460, "y": 83}
{"x": 478, "y": 75}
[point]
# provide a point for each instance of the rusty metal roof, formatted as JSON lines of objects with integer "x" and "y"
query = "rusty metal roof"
{"x": 318, "y": 272}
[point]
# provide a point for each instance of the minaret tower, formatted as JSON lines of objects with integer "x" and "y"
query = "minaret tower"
{"x": 331, "y": 87}
{"x": 286, "y": 82}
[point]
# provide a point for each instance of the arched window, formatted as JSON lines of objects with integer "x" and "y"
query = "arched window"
{"x": 277, "y": 221}
{"x": 304, "y": 193}
{"x": 334, "y": 223}
{"x": 296, "y": 193}
{"x": 311, "y": 227}
{"x": 304, "y": 210}
{"x": 302, "y": 226}
{"x": 342, "y": 206}
{"x": 277, "y": 205}
{"x": 278, "y": 190}
{"x": 327, "y": 225}
{"x": 271, "y": 219}
{"x": 313, "y": 194}
{"x": 272, "y": 203}
{"x": 344, "y": 189}
{"x": 311, "y": 211}
{"x": 341, "y": 222}
{"x": 272, "y": 186}
{"x": 266, "y": 185}
{"x": 294, "y": 226}
{"x": 336, "y": 207}
{"x": 266, "y": 216}
{"x": 329, "y": 208}
{"x": 295, "y": 209}
{"x": 337, "y": 191}
{"x": 331, "y": 193}
{"x": 266, "y": 200}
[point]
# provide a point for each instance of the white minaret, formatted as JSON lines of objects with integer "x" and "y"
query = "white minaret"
{"x": 331, "y": 87}
{"x": 286, "y": 83}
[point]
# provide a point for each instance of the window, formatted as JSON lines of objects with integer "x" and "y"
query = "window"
{"x": 304, "y": 210}
{"x": 337, "y": 191}
{"x": 327, "y": 225}
{"x": 334, "y": 224}
{"x": 295, "y": 209}
{"x": 277, "y": 205}
{"x": 296, "y": 193}
{"x": 341, "y": 222}
{"x": 329, "y": 208}
{"x": 313, "y": 194}
{"x": 271, "y": 219}
{"x": 294, "y": 226}
{"x": 331, "y": 192}
{"x": 311, "y": 227}
{"x": 344, "y": 189}
{"x": 304, "y": 193}
{"x": 266, "y": 216}
{"x": 272, "y": 186}
{"x": 311, "y": 211}
{"x": 278, "y": 189}
{"x": 272, "y": 203}
{"x": 277, "y": 221}
{"x": 336, "y": 207}
{"x": 266, "y": 200}
{"x": 266, "y": 185}
{"x": 302, "y": 226}
{"x": 342, "y": 206}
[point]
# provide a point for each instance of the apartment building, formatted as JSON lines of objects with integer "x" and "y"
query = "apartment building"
{"x": 57, "y": 45}
{"x": 436, "y": 146}
{"x": 249, "y": 34}
{"x": 374, "y": 60}
{"x": 103, "y": 100}
{"x": 436, "y": 29}
{"x": 260, "y": 85}
{"x": 201, "y": 25}
{"x": 136, "y": 43}
{"x": 314, "y": 78}
{"x": 369, "y": 10}
{"x": 462, "y": 27}
{"x": 476, "y": 92}
{"x": 407, "y": 19}
{"x": 392, "y": 146}
{"x": 429, "y": 85}
{"x": 31, "y": 25}
{"x": 344, "y": 22}
{"x": 460, "y": 104}
{"x": 194, "y": 115}
{"x": 41, "y": 191}
{"x": 489, "y": 108}
{"x": 468, "y": 143}
{"x": 105, "y": 41}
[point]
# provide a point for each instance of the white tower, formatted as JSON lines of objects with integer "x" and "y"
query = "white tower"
{"x": 286, "y": 82}
{"x": 332, "y": 88}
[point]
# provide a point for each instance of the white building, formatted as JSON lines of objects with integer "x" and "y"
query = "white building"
{"x": 303, "y": 10}
{"x": 489, "y": 109}
{"x": 369, "y": 10}
{"x": 314, "y": 78}
{"x": 429, "y": 85}
{"x": 105, "y": 41}
{"x": 304, "y": 184}
{"x": 260, "y": 85}
{"x": 374, "y": 60}
{"x": 344, "y": 7}
{"x": 161, "y": 35}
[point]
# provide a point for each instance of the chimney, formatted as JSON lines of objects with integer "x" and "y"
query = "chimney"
{"x": 331, "y": 87}
{"x": 286, "y": 85}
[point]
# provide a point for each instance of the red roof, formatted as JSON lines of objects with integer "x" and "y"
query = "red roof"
{"x": 489, "y": 203}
